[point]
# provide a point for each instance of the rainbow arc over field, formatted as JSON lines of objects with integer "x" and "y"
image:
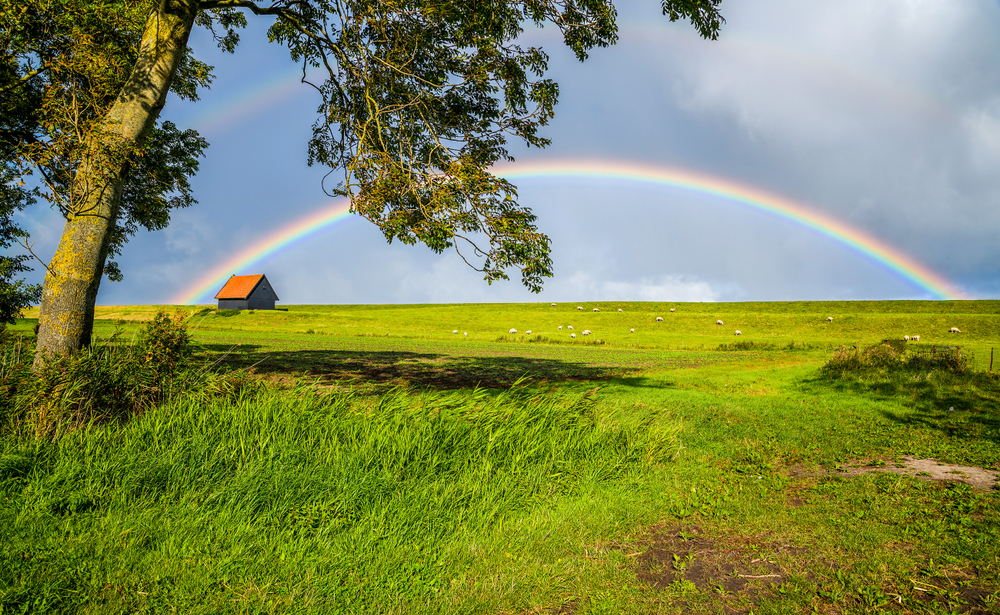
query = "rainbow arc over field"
{"x": 875, "y": 250}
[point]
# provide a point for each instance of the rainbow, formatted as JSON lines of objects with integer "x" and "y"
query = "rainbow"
{"x": 857, "y": 240}
{"x": 210, "y": 282}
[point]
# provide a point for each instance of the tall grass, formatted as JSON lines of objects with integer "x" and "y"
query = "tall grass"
{"x": 328, "y": 504}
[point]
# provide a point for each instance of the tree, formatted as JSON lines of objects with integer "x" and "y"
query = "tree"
{"x": 419, "y": 98}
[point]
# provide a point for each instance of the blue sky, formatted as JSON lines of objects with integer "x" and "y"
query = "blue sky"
{"x": 885, "y": 115}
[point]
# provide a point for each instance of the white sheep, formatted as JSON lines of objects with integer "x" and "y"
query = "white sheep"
{"x": 528, "y": 332}
{"x": 579, "y": 308}
{"x": 829, "y": 319}
{"x": 560, "y": 327}
{"x": 954, "y": 330}
{"x": 512, "y": 331}
{"x": 619, "y": 309}
{"x": 553, "y": 305}
{"x": 719, "y": 322}
{"x": 631, "y": 330}
{"x": 572, "y": 335}
{"x": 455, "y": 332}
{"x": 672, "y": 309}
{"x": 906, "y": 338}
{"x": 738, "y": 332}
{"x": 659, "y": 319}
{"x": 914, "y": 338}
{"x": 570, "y": 327}
{"x": 466, "y": 334}
{"x": 597, "y": 309}
{"x": 586, "y": 332}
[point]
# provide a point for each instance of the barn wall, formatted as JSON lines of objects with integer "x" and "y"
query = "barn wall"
{"x": 233, "y": 304}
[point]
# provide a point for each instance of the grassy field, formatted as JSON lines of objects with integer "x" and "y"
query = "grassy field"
{"x": 392, "y": 466}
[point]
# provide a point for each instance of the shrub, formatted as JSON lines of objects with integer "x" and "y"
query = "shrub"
{"x": 893, "y": 355}
{"x": 109, "y": 380}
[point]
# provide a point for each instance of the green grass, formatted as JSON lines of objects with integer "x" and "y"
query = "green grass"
{"x": 653, "y": 474}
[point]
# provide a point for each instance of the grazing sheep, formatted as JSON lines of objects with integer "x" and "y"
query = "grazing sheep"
{"x": 512, "y": 331}
{"x": 466, "y": 334}
{"x": 719, "y": 322}
{"x": 631, "y": 330}
{"x": 528, "y": 332}
{"x": 829, "y": 319}
{"x": 553, "y": 305}
{"x": 954, "y": 330}
{"x": 738, "y": 332}
{"x": 659, "y": 319}
{"x": 579, "y": 307}
{"x": 586, "y": 332}
{"x": 455, "y": 332}
{"x": 570, "y": 327}
{"x": 914, "y": 338}
{"x": 560, "y": 327}
{"x": 619, "y": 309}
{"x": 597, "y": 309}
{"x": 572, "y": 335}
{"x": 672, "y": 309}
{"x": 906, "y": 338}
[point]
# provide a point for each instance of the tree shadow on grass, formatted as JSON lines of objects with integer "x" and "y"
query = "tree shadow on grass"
{"x": 386, "y": 369}
{"x": 963, "y": 406}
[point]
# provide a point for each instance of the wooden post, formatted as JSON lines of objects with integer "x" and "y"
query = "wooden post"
{"x": 991, "y": 360}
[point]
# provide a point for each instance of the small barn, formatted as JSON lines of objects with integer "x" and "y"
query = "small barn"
{"x": 247, "y": 292}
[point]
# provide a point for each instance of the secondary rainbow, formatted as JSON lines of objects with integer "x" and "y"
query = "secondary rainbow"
{"x": 208, "y": 283}
{"x": 875, "y": 250}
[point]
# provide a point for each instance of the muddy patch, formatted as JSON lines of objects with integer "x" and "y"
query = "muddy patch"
{"x": 739, "y": 570}
{"x": 923, "y": 469}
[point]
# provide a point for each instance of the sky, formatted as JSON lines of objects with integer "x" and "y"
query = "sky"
{"x": 829, "y": 150}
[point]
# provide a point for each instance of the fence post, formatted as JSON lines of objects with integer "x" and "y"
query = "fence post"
{"x": 991, "y": 360}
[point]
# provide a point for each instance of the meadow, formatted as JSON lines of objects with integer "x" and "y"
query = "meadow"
{"x": 384, "y": 464}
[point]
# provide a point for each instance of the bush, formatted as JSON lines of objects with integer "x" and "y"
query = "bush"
{"x": 892, "y": 355}
{"x": 110, "y": 380}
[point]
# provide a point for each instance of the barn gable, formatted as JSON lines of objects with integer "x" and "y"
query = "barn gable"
{"x": 247, "y": 292}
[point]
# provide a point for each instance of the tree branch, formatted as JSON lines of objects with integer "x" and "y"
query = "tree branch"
{"x": 24, "y": 244}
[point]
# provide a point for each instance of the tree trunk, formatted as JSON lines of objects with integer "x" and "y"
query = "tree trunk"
{"x": 66, "y": 320}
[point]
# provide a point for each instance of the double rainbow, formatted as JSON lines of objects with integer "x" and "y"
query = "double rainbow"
{"x": 873, "y": 249}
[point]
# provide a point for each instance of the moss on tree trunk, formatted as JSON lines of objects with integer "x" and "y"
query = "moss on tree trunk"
{"x": 70, "y": 291}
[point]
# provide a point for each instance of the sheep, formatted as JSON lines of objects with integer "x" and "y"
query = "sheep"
{"x": 954, "y": 330}
{"x": 914, "y": 338}
{"x": 570, "y": 327}
{"x": 455, "y": 332}
{"x": 631, "y": 330}
{"x": 528, "y": 332}
{"x": 659, "y": 319}
{"x": 672, "y": 309}
{"x": 619, "y": 309}
{"x": 719, "y": 322}
{"x": 829, "y": 319}
{"x": 553, "y": 305}
{"x": 586, "y": 332}
{"x": 513, "y": 331}
{"x": 738, "y": 332}
{"x": 597, "y": 309}
{"x": 906, "y": 338}
{"x": 579, "y": 308}
{"x": 572, "y": 335}
{"x": 560, "y": 327}
{"x": 466, "y": 334}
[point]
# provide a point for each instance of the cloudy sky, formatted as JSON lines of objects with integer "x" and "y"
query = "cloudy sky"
{"x": 882, "y": 116}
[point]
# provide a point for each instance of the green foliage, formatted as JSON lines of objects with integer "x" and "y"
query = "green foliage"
{"x": 893, "y": 355}
{"x": 109, "y": 381}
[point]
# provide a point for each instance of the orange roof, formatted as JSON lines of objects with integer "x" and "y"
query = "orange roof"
{"x": 239, "y": 287}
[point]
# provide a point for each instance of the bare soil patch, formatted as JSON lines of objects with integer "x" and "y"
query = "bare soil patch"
{"x": 923, "y": 469}
{"x": 740, "y": 570}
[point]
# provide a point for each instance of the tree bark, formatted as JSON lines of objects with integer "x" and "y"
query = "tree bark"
{"x": 66, "y": 320}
